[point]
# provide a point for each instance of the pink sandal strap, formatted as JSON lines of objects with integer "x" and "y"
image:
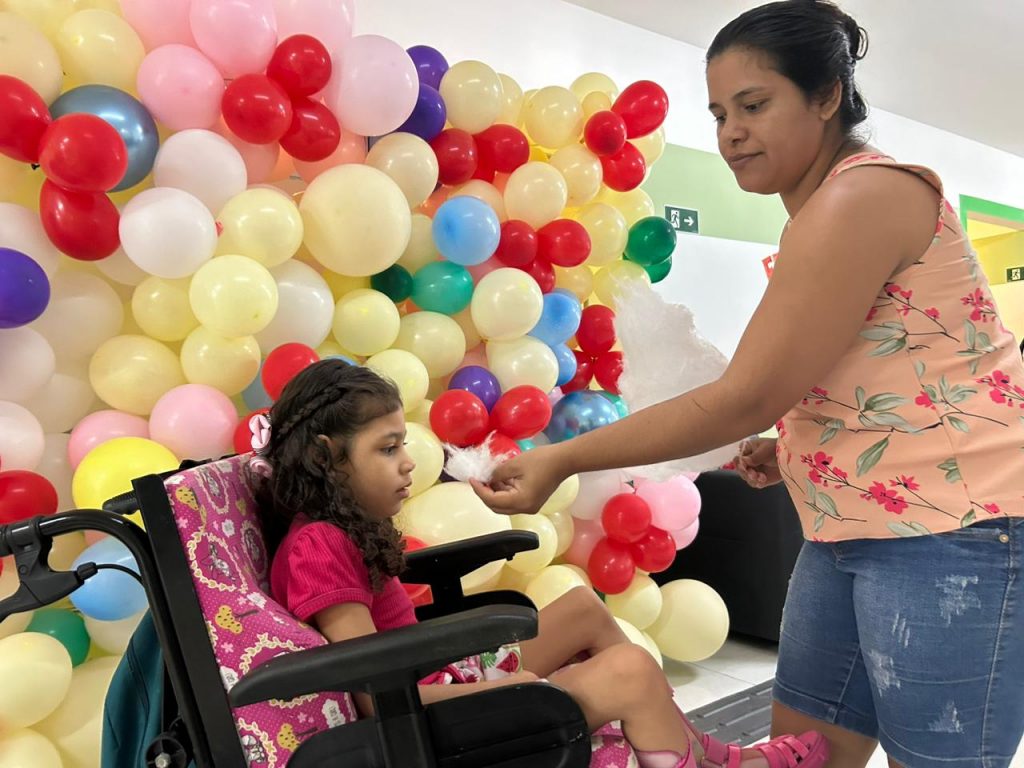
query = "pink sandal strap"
{"x": 810, "y": 750}
{"x": 721, "y": 754}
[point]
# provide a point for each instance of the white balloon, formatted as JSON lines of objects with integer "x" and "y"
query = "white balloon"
{"x": 595, "y": 490}
{"x": 118, "y": 268}
{"x": 21, "y": 230}
{"x": 84, "y": 311}
{"x": 55, "y": 466}
{"x": 65, "y": 399}
{"x": 21, "y": 437}
{"x": 28, "y": 363}
{"x": 305, "y": 307}
{"x": 167, "y": 232}
{"x": 203, "y": 164}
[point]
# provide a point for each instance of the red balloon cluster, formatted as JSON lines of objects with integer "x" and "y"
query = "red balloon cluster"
{"x": 630, "y": 542}
{"x": 595, "y": 358}
{"x": 639, "y": 110}
{"x": 460, "y": 418}
{"x": 462, "y": 156}
{"x": 562, "y": 242}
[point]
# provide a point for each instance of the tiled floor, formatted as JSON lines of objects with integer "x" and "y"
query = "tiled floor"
{"x": 738, "y": 666}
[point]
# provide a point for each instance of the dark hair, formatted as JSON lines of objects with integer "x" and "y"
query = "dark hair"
{"x": 811, "y": 42}
{"x": 335, "y": 399}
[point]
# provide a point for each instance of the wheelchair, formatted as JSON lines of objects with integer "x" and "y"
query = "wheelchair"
{"x": 249, "y": 686}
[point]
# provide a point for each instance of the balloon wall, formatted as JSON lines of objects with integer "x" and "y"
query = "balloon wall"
{"x": 198, "y": 198}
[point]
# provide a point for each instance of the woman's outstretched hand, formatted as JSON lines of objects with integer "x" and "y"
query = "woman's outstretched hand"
{"x": 522, "y": 484}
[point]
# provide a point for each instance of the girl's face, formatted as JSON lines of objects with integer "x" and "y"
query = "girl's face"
{"x": 378, "y": 466}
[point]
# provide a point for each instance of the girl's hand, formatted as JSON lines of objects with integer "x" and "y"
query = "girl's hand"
{"x": 522, "y": 484}
{"x": 757, "y": 463}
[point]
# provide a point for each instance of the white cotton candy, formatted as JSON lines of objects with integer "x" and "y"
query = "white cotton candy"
{"x": 664, "y": 356}
{"x": 476, "y": 462}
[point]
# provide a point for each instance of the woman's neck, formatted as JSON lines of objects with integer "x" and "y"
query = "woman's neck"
{"x": 832, "y": 153}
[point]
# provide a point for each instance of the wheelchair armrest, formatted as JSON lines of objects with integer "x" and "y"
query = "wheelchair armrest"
{"x": 387, "y": 661}
{"x": 449, "y": 562}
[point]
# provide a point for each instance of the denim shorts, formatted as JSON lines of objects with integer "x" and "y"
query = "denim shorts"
{"x": 917, "y": 642}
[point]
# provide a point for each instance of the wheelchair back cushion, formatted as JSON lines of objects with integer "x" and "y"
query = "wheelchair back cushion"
{"x": 223, "y": 542}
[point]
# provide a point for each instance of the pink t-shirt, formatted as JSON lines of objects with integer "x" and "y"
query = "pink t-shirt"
{"x": 318, "y": 566}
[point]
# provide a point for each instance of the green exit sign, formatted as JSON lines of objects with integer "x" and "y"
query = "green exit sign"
{"x": 1013, "y": 274}
{"x": 683, "y": 219}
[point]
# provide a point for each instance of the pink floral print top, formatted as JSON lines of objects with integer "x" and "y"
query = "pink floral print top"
{"x": 919, "y": 428}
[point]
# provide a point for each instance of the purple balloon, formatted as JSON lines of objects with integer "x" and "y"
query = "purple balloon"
{"x": 428, "y": 116}
{"x": 24, "y": 289}
{"x": 479, "y": 381}
{"x": 430, "y": 64}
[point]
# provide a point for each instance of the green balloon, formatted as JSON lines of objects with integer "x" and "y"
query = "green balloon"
{"x": 651, "y": 241}
{"x": 618, "y": 402}
{"x": 526, "y": 444}
{"x": 442, "y": 286}
{"x": 659, "y": 272}
{"x": 395, "y": 282}
{"x": 67, "y": 627}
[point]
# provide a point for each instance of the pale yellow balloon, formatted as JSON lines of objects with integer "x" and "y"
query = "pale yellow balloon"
{"x": 693, "y": 623}
{"x": 226, "y": 364}
{"x": 465, "y": 321}
{"x": 233, "y": 296}
{"x": 615, "y": 277}
{"x": 565, "y": 528}
{"x": 99, "y": 47}
{"x": 13, "y": 174}
{"x": 23, "y": 747}
{"x": 420, "y": 414}
{"x": 69, "y": 545}
{"x": 342, "y": 285}
{"x": 579, "y": 572}
{"x": 525, "y": 360}
{"x": 533, "y": 560}
{"x": 437, "y": 388}
{"x": 652, "y": 647}
{"x": 512, "y": 100}
{"x": 409, "y": 161}
{"x": 421, "y": 249}
{"x": 591, "y": 82}
{"x": 608, "y": 232}
{"x": 76, "y": 727}
{"x": 357, "y": 220}
{"x": 536, "y": 193}
{"x": 424, "y": 449}
{"x": 9, "y": 584}
{"x": 565, "y": 494}
{"x": 581, "y": 170}
{"x": 485, "y": 191}
{"x": 509, "y": 578}
{"x": 26, "y": 53}
{"x": 261, "y": 224}
{"x": 331, "y": 348}
{"x": 553, "y": 117}
{"x": 651, "y": 146}
{"x": 633, "y": 205}
{"x": 594, "y": 102}
{"x": 130, "y": 373}
{"x": 527, "y": 95}
{"x": 36, "y": 670}
{"x": 640, "y": 604}
{"x": 48, "y": 15}
{"x": 162, "y": 310}
{"x": 113, "y": 636}
{"x": 366, "y": 321}
{"x": 506, "y": 304}
{"x": 407, "y": 372}
{"x": 637, "y": 637}
{"x": 551, "y": 583}
{"x": 436, "y": 339}
{"x": 473, "y": 95}
{"x": 577, "y": 280}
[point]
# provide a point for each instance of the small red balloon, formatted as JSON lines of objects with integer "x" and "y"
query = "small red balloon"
{"x": 457, "y": 156}
{"x": 283, "y": 363}
{"x": 301, "y": 65}
{"x": 610, "y": 567}
{"x": 242, "y": 438}
{"x": 415, "y": 591}
{"x": 563, "y": 242}
{"x": 626, "y": 518}
{"x": 24, "y": 118}
{"x": 83, "y": 152}
{"x": 256, "y": 109}
{"x": 596, "y": 334}
{"x": 643, "y": 107}
{"x": 460, "y": 418}
{"x": 503, "y": 147}
{"x": 518, "y": 244}
{"x": 81, "y": 224}
{"x": 314, "y": 133}
{"x": 584, "y": 373}
{"x": 607, "y": 369}
{"x": 655, "y": 552}
{"x": 25, "y": 494}
{"x": 521, "y": 412}
{"x": 541, "y": 271}
{"x": 625, "y": 170}
{"x": 499, "y": 445}
{"x": 483, "y": 171}
{"x": 604, "y": 133}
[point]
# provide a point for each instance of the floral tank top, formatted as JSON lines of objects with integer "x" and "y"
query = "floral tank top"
{"x": 919, "y": 428}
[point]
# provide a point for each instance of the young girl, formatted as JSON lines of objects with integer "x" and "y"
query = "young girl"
{"x": 334, "y": 472}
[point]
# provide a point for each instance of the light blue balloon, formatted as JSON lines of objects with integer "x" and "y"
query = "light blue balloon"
{"x": 126, "y": 114}
{"x": 578, "y": 413}
{"x": 344, "y": 359}
{"x": 559, "y": 319}
{"x": 566, "y": 363}
{"x": 466, "y": 231}
{"x": 109, "y": 595}
{"x": 255, "y": 396}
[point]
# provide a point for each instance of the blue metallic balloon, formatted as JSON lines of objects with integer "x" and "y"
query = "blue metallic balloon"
{"x": 566, "y": 362}
{"x": 466, "y": 231}
{"x": 126, "y": 114}
{"x": 578, "y": 413}
{"x": 559, "y": 320}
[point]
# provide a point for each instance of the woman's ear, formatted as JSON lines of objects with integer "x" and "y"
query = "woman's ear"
{"x": 831, "y": 101}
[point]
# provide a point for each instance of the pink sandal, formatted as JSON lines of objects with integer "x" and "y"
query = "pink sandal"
{"x": 809, "y": 750}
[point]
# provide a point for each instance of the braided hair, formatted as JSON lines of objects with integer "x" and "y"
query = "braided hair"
{"x": 335, "y": 399}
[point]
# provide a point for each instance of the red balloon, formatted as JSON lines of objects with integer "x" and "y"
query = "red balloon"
{"x": 415, "y": 591}
{"x": 242, "y": 438}
{"x": 604, "y": 133}
{"x": 83, "y": 152}
{"x": 518, "y": 244}
{"x": 483, "y": 171}
{"x": 521, "y": 412}
{"x": 643, "y": 107}
{"x": 596, "y": 334}
{"x": 283, "y": 363}
{"x": 625, "y": 169}
{"x": 584, "y": 373}
{"x": 626, "y": 518}
{"x": 655, "y": 552}
{"x": 607, "y": 369}
{"x": 611, "y": 567}
{"x": 503, "y": 147}
{"x": 460, "y": 418}
{"x": 256, "y": 109}
{"x": 25, "y": 494}
{"x": 543, "y": 273}
{"x": 23, "y": 119}
{"x": 314, "y": 133}
{"x": 457, "y": 156}
{"x": 563, "y": 242}
{"x": 301, "y": 65}
{"x": 81, "y": 224}
{"x": 499, "y": 445}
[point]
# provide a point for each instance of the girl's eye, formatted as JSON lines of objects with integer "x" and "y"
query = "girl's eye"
{"x": 390, "y": 450}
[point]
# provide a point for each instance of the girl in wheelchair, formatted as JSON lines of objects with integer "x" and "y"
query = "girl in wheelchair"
{"x": 332, "y": 472}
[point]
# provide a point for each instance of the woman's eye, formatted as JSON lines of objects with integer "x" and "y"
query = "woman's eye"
{"x": 756, "y": 107}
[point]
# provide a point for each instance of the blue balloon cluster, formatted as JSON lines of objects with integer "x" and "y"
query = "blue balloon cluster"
{"x": 559, "y": 321}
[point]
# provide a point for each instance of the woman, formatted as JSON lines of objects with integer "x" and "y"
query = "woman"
{"x": 898, "y": 395}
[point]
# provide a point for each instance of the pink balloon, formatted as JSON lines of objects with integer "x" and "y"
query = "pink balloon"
{"x": 674, "y": 504}
{"x": 159, "y": 22}
{"x": 480, "y": 271}
{"x": 194, "y": 421}
{"x": 329, "y": 21}
{"x": 351, "y": 149}
{"x": 180, "y": 87}
{"x": 91, "y": 537}
{"x": 586, "y": 534}
{"x": 685, "y": 537}
{"x": 374, "y": 85}
{"x": 475, "y": 356}
{"x": 98, "y": 427}
{"x": 239, "y": 36}
{"x": 259, "y": 159}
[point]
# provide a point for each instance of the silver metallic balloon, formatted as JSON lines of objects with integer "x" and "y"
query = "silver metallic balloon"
{"x": 580, "y": 412}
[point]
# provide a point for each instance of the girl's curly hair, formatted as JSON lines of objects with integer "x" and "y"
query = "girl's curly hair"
{"x": 335, "y": 399}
